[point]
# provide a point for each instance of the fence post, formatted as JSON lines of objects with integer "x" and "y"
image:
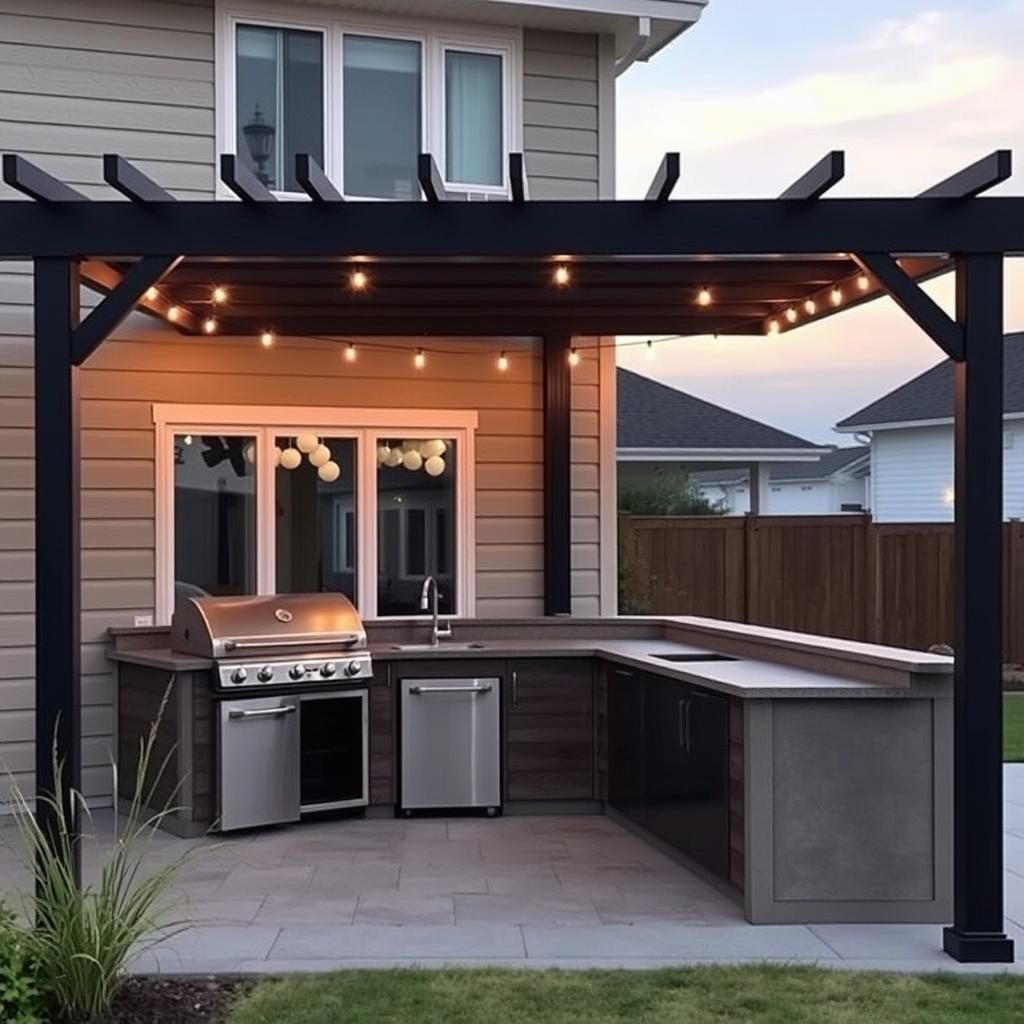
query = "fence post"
{"x": 749, "y": 569}
{"x": 872, "y": 582}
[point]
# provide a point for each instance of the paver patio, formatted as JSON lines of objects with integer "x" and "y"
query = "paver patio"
{"x": 528, "y": 891}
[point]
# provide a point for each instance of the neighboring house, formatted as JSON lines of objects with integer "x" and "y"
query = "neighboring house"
{"x": 182, "y": 486}
{"x": 838, "y": 482}
{"x": 911, "y": 435}
{"x": 665, "y": 434}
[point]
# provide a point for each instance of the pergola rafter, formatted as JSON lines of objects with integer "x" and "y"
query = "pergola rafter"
{"x": 440, "y": 266}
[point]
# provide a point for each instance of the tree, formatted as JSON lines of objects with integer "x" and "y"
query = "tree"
{"x": 679, "y": 497}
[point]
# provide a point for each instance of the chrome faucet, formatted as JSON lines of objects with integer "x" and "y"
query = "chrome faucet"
{"x": 437, "y": 632}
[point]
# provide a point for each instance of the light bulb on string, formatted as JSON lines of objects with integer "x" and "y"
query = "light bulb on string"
{"x": 219, "y": 295}
{"x": 704, "y": 297}
{"x": 173, "y": 313}
{"x": 420, "y": 359}
{"x": 791, "y": 315}
{"x": 562, "y": 276}
{"x": 863, "y": 283}
{"x": 773, "y": 327}
{"x": 574, "y": 357}
{"x": 810, "y": 307}
{"x": 503, "y": 363}
{"x": 836, "y": 295}
{"x": 209, "y": 325}
{"x": 151, "y": 293}
{"x": 267, "y": 339}
{"x": 350, "y": 353}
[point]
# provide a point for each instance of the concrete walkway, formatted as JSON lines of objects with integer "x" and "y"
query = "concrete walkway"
{"x": 525, "y": 892}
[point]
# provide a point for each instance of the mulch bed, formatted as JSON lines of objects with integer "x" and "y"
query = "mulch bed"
{"x": 175, "y": 1001}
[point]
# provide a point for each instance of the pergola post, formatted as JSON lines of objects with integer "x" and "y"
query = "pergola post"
{"x": 977, "y": 934}
{"x": 57, "y": 548}
{"x": 557, "y": 468}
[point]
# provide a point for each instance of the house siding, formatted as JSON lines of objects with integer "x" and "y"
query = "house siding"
{"x": 79, "y": 80}
{"x": 912, "y": 473}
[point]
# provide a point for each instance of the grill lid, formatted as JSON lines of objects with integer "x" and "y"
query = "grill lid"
{"x": 218, "y": 627}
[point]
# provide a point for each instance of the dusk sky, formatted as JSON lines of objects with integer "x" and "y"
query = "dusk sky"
{"x": 757, "y": 92}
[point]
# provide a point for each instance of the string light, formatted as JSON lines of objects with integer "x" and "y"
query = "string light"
{"x": 503, "y": 362}
{"x": 773, "y": 327}
{"x": 350, "y": 353}
{"x": 151, "y": 293}
{"x": 863, "y": 282}
{"x": 420, "y": 359}
{"x": 562, "y": 276}
{"x": 209, "y": 325}
{"x": 574, "y": 357}
{"x": 267, "y": 339}
{"x": 791, "y": 315}
{"x": 811, "y": 307}
{"x": 359, "y": 280}
{"x": 220, "y": 295}
{"x": 173, "y": 313}
{"x": 704, "y": 297}
{"x": 836, "y": 295}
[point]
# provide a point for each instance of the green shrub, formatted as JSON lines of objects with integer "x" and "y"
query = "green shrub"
{"x": 21, "y": 995}
{"x": 82, "y": 939}
{"x": 678, "y": 497}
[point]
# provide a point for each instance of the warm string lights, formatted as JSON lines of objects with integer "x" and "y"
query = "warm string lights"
{"x": 836, "y": 297}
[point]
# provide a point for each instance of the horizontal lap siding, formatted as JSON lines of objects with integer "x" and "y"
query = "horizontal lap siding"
{"x": 78, "y": 80}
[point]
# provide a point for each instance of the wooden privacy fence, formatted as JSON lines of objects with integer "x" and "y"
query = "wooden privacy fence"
{"x": 846, "y": 576}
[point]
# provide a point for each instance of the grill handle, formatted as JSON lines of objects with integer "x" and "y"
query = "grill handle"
{"x": 308, "y": 642}
{"x": 419, "y": 691}
{"x": 286, "y": 709}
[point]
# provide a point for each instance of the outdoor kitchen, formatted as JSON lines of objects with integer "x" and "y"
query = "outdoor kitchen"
{"x": 807, "y": 778}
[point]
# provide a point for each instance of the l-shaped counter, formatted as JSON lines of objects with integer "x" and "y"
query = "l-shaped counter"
{"x": 811, "y": 776}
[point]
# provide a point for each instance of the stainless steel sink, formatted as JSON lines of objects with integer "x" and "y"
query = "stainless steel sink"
{"x": 475, "y": 645}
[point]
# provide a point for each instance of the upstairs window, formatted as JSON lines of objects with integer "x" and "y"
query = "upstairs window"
{"x": 279, "y": 108}
{"x": 365, "y": 97}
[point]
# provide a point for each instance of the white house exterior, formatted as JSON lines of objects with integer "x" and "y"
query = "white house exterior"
{"x": 911, "y": 437}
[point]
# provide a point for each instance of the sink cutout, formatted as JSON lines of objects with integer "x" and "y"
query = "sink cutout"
{"x": 704, "y": 656}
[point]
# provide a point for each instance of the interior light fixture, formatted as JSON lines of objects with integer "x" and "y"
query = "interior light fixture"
{"x": 210, "y": 325}
{"x": 420, "y": 359}
{"x": 836, "y": 295}
{"x": 562, "y": 276}
{"x": 219, "y": 296}
{"x": 704, "y": 297}
{"x": 791, "y": 315}
{"x": 359, "y": 280}
{"x": 574, "y": 357}
{"x": 503, "y": 362}
{"x": 267, "y": 339}
{"x": 810, "y": 307}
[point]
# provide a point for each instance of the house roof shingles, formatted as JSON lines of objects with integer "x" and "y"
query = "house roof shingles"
{"x": 654, "y": 415}
{"x": 929, "y": 396}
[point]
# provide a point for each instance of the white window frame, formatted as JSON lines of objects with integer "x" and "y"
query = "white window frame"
{"x": 435, "y": 39}
{"x": 366, "y": 426}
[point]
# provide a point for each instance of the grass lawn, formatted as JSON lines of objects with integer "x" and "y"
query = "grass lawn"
{"x": 701, "y": 995}
{"x": 1013, "y": 726}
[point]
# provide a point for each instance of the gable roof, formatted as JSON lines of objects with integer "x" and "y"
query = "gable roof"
{"x": 654, "y": 415}
{"x": 832, "y": 462}
{"x": 929, "y": 396}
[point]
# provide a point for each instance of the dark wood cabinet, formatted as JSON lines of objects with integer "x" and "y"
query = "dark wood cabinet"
{"x": 668, "y": 767}
{"x": 549, "y": 729}
{"x": 626, "y": 761}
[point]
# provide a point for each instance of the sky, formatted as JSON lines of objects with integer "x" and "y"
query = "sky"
{"x": 752, "y": 96}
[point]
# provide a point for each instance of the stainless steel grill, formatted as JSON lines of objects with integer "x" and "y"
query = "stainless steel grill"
{"x": 289, "y": 640}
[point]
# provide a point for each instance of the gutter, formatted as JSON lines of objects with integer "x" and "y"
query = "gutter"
{"x": 637, "y": 49}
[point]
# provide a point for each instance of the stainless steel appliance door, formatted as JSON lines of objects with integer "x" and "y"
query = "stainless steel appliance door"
{"x": 259, "y": 761}
{"x": 451, "y": 744}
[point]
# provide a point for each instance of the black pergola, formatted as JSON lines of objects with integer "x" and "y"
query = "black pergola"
{"x": 441, "y": 267}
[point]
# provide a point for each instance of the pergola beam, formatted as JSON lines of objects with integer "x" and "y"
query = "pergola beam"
{"x": 314, "y": 182}
{"x": 430, "y": 179}
{"x": 518, "y": 180}
{"x": 979, "y": 177}
{"x": 34, "y": 182}
{"x": 109, "y": 314}
{"x": 915, "y": 302}
{"x": 665, "y": 179}
{"x": 828, "y": 171}
{"x": 243, "y": 182}
{"x": 130, "y": 181}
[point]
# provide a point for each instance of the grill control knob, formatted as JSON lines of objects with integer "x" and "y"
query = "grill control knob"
{"x": 327, "y": 669}
{"x": 297, "y": 671}
{"x": 352, "y": 668}
{"x": 265, "y": 674}
{"x": 239, "y": 675}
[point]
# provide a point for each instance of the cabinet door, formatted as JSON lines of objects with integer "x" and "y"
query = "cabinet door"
{"x": 626, "y": 743}
{"x": 549, "y": 728}
{"x": 666, "y": 769}
{"x": 706, "y": 797}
